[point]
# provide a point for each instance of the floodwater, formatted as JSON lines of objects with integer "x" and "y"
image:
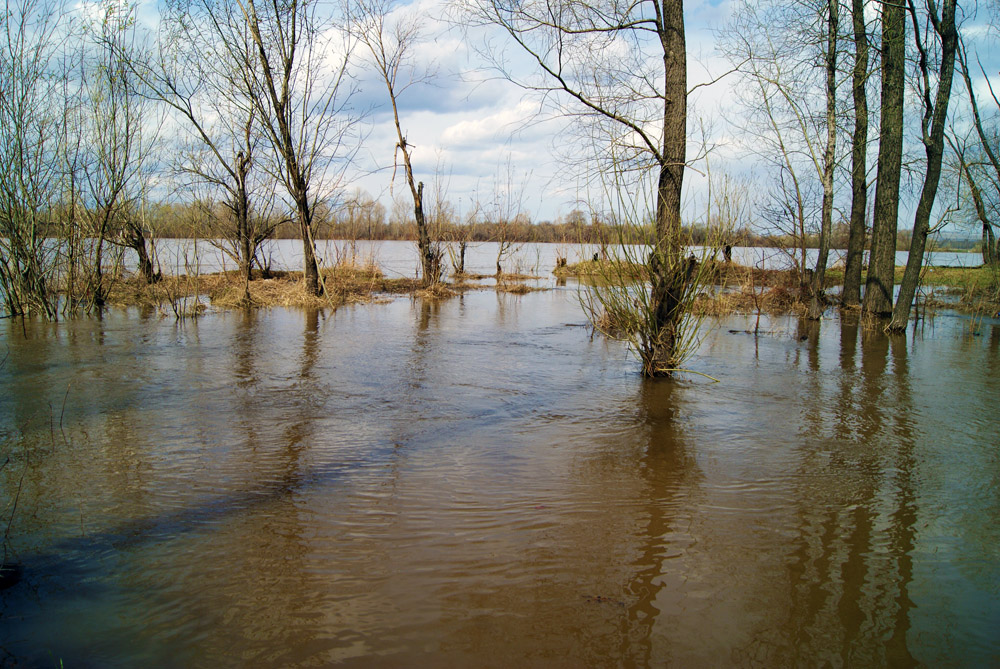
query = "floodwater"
{"x": 400, "y": 258}
{"x": 480, "y": 482}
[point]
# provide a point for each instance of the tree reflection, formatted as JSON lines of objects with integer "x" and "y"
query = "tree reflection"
{"x": 852, "y": 562}
{"x": 669, "y": 473}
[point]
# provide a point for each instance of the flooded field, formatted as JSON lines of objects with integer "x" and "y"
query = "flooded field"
{"x": 480, "y": 482}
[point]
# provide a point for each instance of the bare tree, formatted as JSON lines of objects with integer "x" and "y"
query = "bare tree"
{"x": 985, "y": 167}
{"x": 851, "y": 295}
{"x": 944, "y": 41}
{"x": 620, "y": 69}
{"x": 194, "y": 73}
{"x": 969, "y": 171}
{"x": 30, "y": 170}
{"x": 293, "y": 59}
{"x": 117, "y": 164}
{"x": 880, "y": 279}
{"x": 389, "y": 41}
{"x": 787, "y": 55}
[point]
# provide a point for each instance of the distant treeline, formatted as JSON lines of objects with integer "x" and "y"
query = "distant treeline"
{"x": 370, "y": 223}
{"x": 184, "y": 221}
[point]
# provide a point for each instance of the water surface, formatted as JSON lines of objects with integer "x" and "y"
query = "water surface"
{"x": 480, "y": 482}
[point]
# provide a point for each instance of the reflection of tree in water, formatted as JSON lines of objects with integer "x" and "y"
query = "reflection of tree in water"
{"x": 670, "y": 472}
{"x": 851, "y": 564}
{"x": 269, "y": 547}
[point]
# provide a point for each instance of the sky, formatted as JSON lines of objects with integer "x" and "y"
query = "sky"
{"x": 472, "y": 130}
{"x": 476, "y": 133}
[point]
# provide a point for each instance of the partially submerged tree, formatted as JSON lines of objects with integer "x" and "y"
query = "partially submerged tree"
{"x": 880, "y": 279}
{"x": 851, "y": 295}
{"x": 389, "y": 42}
{"x": 620, "y": 69}
{"x": 937, "y": 49}
{"x": 30, "y": 171}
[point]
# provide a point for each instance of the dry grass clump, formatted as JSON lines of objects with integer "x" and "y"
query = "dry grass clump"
{"x": 515, "y": 283}
{"x": 602, "y": 268}
{"x": 438, "y": 291}
{"x": 176, "y": 294}
{"x": 748, "y": 299}
{"x": 517, "y": 288}
{"x": 345, "y": 283}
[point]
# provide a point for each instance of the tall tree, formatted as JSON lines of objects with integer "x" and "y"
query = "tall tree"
{"x": 851, "y": 295}
{"x": 932, "y": 128}
{"x": 389, "y": 43}
{"x": 620, "y": 69}
{"x": 829, "y": 157}
{"x": 880, "y": 281}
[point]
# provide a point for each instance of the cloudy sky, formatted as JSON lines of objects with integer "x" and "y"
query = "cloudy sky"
{"x": 476, "y": 133}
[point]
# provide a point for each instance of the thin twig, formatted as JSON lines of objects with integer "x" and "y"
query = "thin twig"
{"x": 690, "y": 371}
{"x": 17, "y": 497}
{"x": 63, "y": 411}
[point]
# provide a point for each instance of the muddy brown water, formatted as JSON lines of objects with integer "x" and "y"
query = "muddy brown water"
{"x": 479, "y": 482}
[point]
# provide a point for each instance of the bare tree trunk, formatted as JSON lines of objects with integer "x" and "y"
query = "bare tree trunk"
{"x": 882, "y": 262}
{"x": 310, "y": 264}
{"x": 670, "y": 274}
{"x": 851, "y": 295}
{"x": 241, "y": 209}
{"x": 829, "y": 161}
{"x": 934, "y": 144}
{"x": 136, "y": 240}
